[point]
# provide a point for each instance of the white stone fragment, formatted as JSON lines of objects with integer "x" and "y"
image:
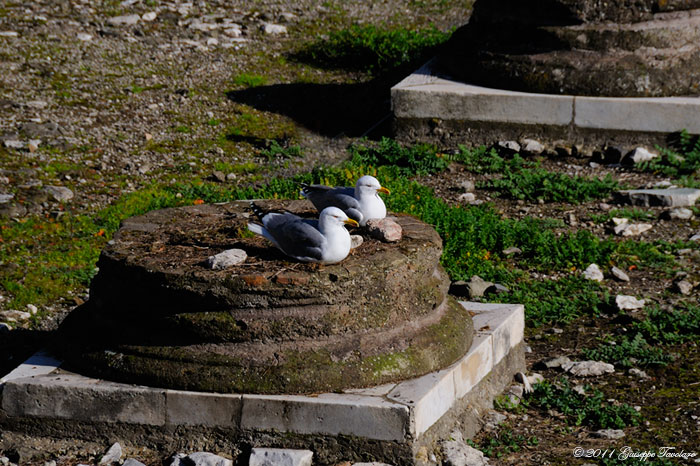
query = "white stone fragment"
{"x": 233, "y": 31}
{"x": 612, "y": 434}
{"x": 37, "y": 104}
{"x": 641, "y": 154}
{"x": 202, "y": 458}
{"x": 680, "y": 213}
{"x": 467, "y": 197}
{"x": 59, "y": 193}
{"x": 384, "y": 229}
{"x": 9, "y": 34}
{"x": 14, "y": 315}
{"x": 532, "y": 146}
{"x": 226, "y": 259}
{"x": 594, "y": 273}
{"x": 628, "y": 303}
{"x": 113, "y": 455}
{"x": 588, "y": 368}
{"x": 14, "y": 144}
{"x": 5, "y": 198}
{"x": 620, "y": 274}
{"x": 124, "y": 20}
{"x": 150, "y": 16}
{"x": 280, "y": 457}
{"x": 458, "y": 453}
{"x": 274, "y": 29}
{"x": 32, "y": 309}
{"x": 85, "y": 37}
{"x": 355, "y": 241}
{"x": 672, "y": 197}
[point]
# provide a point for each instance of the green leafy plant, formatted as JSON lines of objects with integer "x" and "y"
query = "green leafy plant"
{"x": 671, "y": 327}
{"x": 503, "y": 443}
{"x": 249, "y": 80}
{"x": 627, "y": 352}
{"x": 588, "y": 408}
{"x": 683, "y": 159}
{"x": 375, "y": 49}
{"x": 276, "y": 150}
{"x": 414, "y": 160}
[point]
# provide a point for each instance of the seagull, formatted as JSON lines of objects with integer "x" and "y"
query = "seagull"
{"x": 325, "y": 241}
{"x": 360, "y": 203}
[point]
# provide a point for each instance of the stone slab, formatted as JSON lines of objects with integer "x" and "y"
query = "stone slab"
{"x": 333, "y": 414}
{"x": 425, "y": 95}
{"x": 398, "y": 413}
{"x": 39, "y": 364}
{"x": 72, "y": 396}
{"x": 202, "y": 409}
{"x": 280, "y": 457}
{"x": 671, "y": 197}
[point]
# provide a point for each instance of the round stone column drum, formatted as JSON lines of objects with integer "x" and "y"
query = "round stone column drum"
{"x": 158, "y": 316}
{"x": 625, "y": 48}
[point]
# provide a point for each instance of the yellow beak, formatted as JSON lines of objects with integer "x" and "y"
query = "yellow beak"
{"x": 383, "y": 190}
{"x": 351, "y": 222}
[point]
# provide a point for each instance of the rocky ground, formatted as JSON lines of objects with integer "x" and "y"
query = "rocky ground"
{"x": 102, "y": 99}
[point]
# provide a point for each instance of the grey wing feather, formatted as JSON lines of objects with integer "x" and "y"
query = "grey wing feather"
{"x": 297, "y": 238}
{"x": 343, "y": 198}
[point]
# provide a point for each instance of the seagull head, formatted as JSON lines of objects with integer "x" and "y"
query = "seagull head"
{"x": 335, "y": 216}
{"x": 369, "y": 185}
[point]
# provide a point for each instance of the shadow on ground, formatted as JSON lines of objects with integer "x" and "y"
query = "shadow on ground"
{"x": 333, "y": 110}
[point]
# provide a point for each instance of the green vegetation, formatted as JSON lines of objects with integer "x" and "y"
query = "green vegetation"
{"x": 627, "y": 352}
{"x": 415, "y": 160}
{"x": 671, "y": 327}
{"x": 374, "y": 49}
{"x": 503, "y": 443}
{"x": 588, "y": 408}
{"x": 522, "y": 179}
{"x": 473, "y": 237}
{"x": 249, "y": 80}
{"x": 683, "y": 159}
{"x": 631, "y": 213}
{"x": 275, "y": 150}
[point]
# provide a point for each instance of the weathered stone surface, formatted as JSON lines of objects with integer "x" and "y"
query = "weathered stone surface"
{"x": 113, "y": 455}
{"x": 581, "y": 47}
{"x": 384, "y": 229}
{"x": 588, "y": 368}
{"x": 612, "y": 434}
{"x": 671, "y": 197}
{"x": 594, "y": 273}
{"x": 619, "y": 274}
{"x": 226, "y": 259}
{"x": 59, "y": 193}
{"x": 639, "y": 155}
{"x": 263, "y": 327}
{"x": 132, "y": 462}
{"x": 458, "y": 453}
{"x": 280, "y": 457}
{"x": 628, "y": 303}
{"x": 203, "y": 458}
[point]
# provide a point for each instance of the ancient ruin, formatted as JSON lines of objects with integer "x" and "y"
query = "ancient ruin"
{"x": 630, "y": 48}
{"x": 158, "y": 316}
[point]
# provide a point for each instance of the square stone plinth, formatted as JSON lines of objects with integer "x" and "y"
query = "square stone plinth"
{"x": 397, "y": 417}
{"x": 429, "y": 105}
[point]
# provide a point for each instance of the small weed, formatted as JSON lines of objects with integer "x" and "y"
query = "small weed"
{"x": 275, "y": 150}
{"x": 683, "y": 159}
{"x": 503, "y": 443}
{"x": 213, "y": 122}
{"x": 374, "y": 49}
{"x": 183, "y": 129}
{"x": 582, "y": 409}
{"x": 521, "y": 179}
{"x": 631, "y": 213}
{"x": 249, "y": 80}
{"x": 671, "y": 327}
{"x": 627, "y": 352}
{"x": 415, "y": 160}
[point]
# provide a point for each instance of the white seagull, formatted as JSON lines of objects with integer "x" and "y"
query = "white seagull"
{"x": 325, "y": 240}
{"x": 360, "y": 203}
